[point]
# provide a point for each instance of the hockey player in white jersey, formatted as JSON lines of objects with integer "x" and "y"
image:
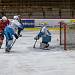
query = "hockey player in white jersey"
{"x": 46, "y": 36}
{"x": 11, "y": 30}
{"x": 22, "y": 26}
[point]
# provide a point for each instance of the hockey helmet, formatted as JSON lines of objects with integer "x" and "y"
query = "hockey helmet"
{"x": 4, "y": 18}
{"x": 16, "y": 17}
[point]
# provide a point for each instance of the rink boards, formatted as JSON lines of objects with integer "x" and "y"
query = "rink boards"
{"x": 36, "y": 29}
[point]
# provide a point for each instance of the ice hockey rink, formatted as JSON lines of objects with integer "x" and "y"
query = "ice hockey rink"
{"x": 26, "y": 60}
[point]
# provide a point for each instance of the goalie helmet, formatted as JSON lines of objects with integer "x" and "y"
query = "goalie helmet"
{"x": 44, "y": 24}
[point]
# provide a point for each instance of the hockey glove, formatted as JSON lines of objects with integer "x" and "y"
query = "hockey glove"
{"x": 1, "y": 33}
{"x": 16, "y": 36}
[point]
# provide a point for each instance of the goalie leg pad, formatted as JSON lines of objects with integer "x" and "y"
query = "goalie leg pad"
{"x": 43, "y": 45}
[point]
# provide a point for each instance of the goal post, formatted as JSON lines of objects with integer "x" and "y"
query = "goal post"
{"x": 67, "y": 35}
{"x": 63, "y": 34}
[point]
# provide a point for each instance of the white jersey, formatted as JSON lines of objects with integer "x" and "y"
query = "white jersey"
{"x": 14, "y": 24}
{"x": 45, "y": 30}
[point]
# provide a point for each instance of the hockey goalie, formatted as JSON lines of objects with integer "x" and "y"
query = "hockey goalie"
{"x": 45, "y": 35}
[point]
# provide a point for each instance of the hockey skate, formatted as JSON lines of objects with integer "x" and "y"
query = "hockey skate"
{"x": 0, "y": 46}
{"x": 7, "y": 50}
{"x": 19, "y": 35}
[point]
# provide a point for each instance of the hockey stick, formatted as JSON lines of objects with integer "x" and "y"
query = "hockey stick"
{"x": 13, "y": 43}
{"x": 34, "y": 44}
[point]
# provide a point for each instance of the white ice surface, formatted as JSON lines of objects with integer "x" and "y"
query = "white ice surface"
{"x": 25, "y": 60}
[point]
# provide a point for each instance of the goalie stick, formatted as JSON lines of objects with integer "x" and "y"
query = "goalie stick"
{"x": 34, "y": 44}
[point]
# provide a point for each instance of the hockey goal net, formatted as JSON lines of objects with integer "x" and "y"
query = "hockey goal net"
{"x": 67, "y": 35}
